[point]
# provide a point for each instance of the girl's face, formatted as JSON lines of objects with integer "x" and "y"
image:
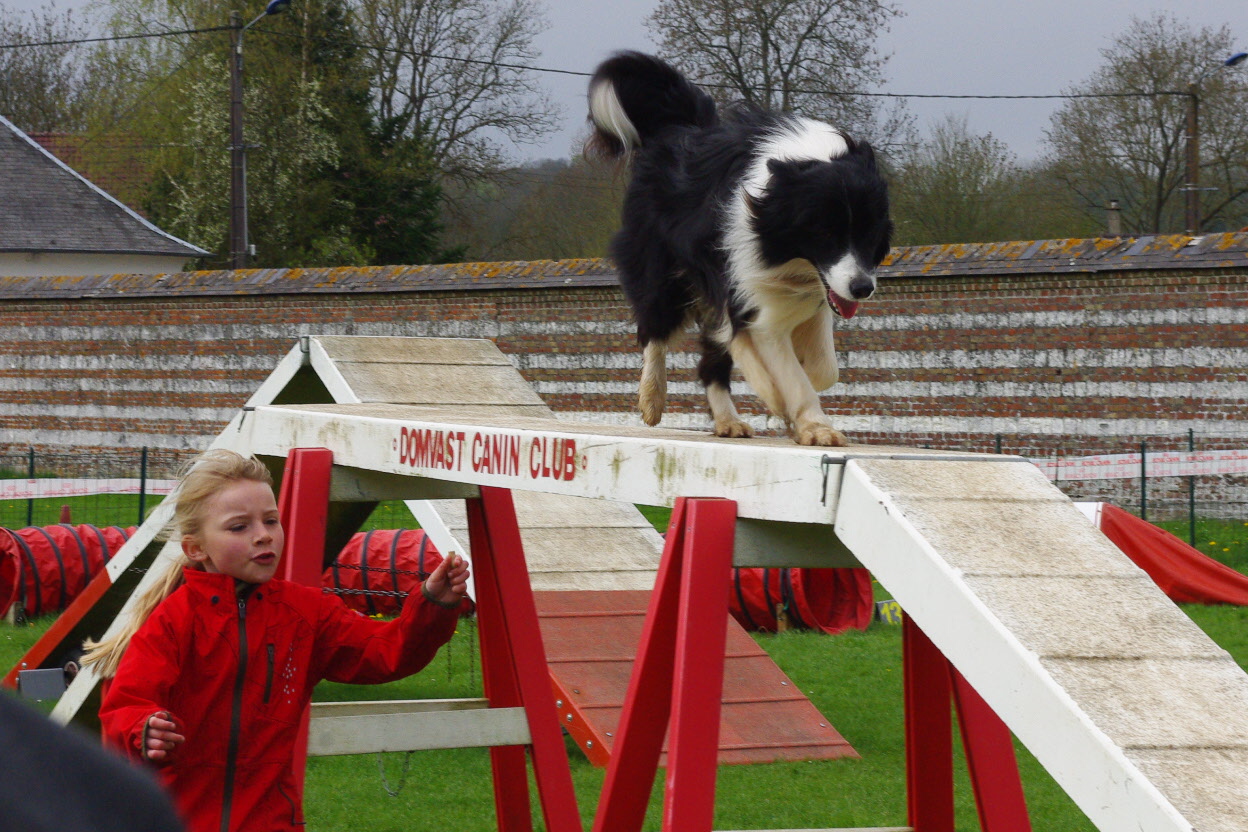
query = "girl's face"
{"x": 240, "y": 535}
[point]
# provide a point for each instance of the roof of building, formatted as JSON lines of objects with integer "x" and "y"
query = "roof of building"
{"x": 48, "y": 207}
{"x": 1040, "y": 257}
{"x": 1095, "y": 254}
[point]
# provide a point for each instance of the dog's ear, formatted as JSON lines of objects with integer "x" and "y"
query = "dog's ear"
{"x": 866, "y": 152}
{"x": 781, "y": 167}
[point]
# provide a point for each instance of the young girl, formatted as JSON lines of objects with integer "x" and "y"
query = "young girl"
{"x": 210, "y": 682}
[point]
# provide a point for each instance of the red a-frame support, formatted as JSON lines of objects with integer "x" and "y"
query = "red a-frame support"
{"x": 678, "y": 677}
{"x": 512, "y": 657}
{"x": 930, "y": 683}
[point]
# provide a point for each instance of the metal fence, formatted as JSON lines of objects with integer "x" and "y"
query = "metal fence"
{"x": 113, "y": 487}
{"x": 1178, "y": 480}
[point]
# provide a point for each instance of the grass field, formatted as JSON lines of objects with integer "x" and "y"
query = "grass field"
{"x": 854, "y": 680}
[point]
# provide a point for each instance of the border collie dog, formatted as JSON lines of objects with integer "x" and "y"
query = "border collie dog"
{"x": 755, "y": 226}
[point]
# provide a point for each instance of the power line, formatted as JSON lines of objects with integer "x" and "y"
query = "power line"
{"x": 581, "y": 74}
{"x": 112, "y": 38}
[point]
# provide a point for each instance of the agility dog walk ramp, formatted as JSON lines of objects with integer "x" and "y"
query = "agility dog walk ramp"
{"x": 1131, "y": 708}
{"x": 580, "y": 552}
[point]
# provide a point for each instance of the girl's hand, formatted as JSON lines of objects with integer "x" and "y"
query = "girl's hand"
{"x": 160, "y": 737}
{"x": 448, "y": 584}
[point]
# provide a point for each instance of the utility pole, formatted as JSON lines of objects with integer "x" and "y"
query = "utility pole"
{"x": 238, "y": 151}
{"x": 1192, "y": 186}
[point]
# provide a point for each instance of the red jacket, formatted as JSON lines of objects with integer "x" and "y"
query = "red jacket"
{"x": 241, "y": 710}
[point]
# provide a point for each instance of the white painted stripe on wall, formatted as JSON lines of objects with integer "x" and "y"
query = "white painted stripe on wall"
{"x": 1057, "y": 427}
{"x": 485, "y": 328}
{"x": 207, "y": 415}
{"x": 172, "y": 363}
{"x": 1010, "y": 359}
{"x": 130, "y": 440}
{"x": 927, "y": 390}
{"x": 477, "y": 328}
{"x": 1186, "y": 316}
{"x": 175, "y": 364}
{"x": 179, "y": 384}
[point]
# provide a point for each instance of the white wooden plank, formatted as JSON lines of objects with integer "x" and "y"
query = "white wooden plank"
{"x": 418, "y": 731}
{"x": 891, "y": 538}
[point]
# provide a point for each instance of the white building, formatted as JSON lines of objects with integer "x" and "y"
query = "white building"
{"x": 55, "y": 223}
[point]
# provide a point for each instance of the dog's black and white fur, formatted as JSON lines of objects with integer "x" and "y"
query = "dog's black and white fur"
{"x": 756, "y": 226}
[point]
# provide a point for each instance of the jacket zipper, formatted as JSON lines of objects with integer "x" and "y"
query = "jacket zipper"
{"x": 236, "y": 716}
{"x": 268, "y": 676}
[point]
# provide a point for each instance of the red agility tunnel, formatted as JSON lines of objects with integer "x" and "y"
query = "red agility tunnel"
{"x": 1186, "y": 574}
{"x": 393, "y": 561}
{"x": 831, "y": 600}
{"x": 44, "y": 568}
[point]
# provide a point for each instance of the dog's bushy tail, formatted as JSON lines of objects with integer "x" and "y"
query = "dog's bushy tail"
{"x": 634, "y": 97}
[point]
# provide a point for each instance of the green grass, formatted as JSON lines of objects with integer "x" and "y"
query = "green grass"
{"x": 854, "y": 679}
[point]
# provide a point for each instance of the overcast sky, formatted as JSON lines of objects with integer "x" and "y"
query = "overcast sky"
{"x": 947, "y": 47}
{"x": 958, "y": 47}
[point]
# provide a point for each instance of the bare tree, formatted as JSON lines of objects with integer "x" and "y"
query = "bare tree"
{"x": 1129, "y": 143}
{"x": 455, "y": 69}
{"x": 812, "y": 57}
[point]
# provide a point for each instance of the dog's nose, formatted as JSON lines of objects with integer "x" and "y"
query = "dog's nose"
{"x": 861, "y": 287}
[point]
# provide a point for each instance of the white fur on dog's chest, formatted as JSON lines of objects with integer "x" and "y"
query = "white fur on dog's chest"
{"x": 785, "y": 296}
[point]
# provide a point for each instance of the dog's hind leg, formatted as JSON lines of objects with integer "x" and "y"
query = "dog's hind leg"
{"x": 715, "y": 372}
{"x": 652, "y": 394}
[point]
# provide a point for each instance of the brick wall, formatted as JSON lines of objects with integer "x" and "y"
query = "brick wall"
{"x": 1055, "y": 349}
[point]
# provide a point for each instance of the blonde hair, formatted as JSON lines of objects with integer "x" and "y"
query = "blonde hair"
{"x": 203, "y": 477}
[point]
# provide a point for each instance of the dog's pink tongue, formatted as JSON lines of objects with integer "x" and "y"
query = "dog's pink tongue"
{"x": 846, "y": 308}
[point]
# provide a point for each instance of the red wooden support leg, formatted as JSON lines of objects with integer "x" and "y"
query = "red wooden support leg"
{"x": 492, "y": 522}
{"x": 991, "y": 761}
{"x": 647, "y": 704}
{"x": 511, "y": 782}
{"x": 929, "y": 732}
{"x": 706, "y": 579}
{"x": 302, "y": 506}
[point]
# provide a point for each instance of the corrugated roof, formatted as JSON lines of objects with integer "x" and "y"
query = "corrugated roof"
{"x": 46, "y": 206}
{"x": 1215, "y": 251}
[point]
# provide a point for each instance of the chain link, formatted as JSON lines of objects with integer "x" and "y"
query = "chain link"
{"x": 396, "y": 571}
{"x": 387, "y": 592}
{"x": 385, "y": 784}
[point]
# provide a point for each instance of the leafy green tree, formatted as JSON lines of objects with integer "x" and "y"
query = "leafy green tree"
{"x": 328, "y": 182}
{"x": 393, "y": 183}
{"x": 1128, "y": 144}
{"x": 48, "y": 89}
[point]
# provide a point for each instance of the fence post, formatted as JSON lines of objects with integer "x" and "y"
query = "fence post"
{"x": 142, "y": 485}
{"x": 1191, "y": 493}
{"x": 1143, "y": 480}
{"x": 30, "y": 472}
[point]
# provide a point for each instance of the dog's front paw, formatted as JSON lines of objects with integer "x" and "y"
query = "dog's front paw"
{"x": 814, "y": 433}
{"x": 733, "y": 429}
